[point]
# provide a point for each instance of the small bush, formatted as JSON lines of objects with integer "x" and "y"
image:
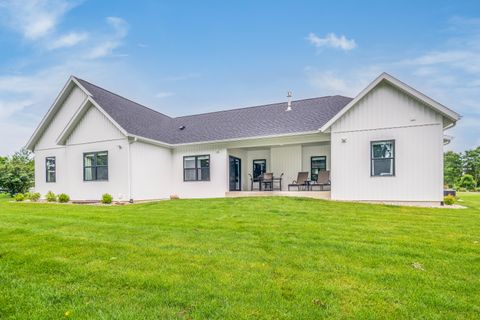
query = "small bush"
{"x": 477, "y": 189}
{"x": 107, "y": 198}
{"x": 19, "y": 197}
{"x": 462, "y": 190}
{"x": 51, "y": 197}
{"x": 449, "y": 200}
{"x": 27, "y": 195}
{"x": 35, "y": 196}
{"x": 63, "y": 198}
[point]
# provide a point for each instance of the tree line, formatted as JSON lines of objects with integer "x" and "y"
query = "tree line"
{"x": 462, "y": 170}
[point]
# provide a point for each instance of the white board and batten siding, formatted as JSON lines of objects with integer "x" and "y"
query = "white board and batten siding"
{"x": 218, "y": 183}
{"x": 94, "y": 132}
{"x": 152, "y": 173}
{"x": 388, "y": 114}
{"x": 46, "y": 146}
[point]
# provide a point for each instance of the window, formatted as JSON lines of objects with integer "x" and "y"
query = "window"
{"x": 196, "y": 168}
{"x": 317, "y": 163}
{"x": 95, "y": 166}
{"x": 259, "y": 167}
{"x": 50, "y": 169}
{"x": 383, "y": 158}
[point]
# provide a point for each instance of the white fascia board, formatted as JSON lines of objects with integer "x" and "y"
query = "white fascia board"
{"x": 446, "y": 112}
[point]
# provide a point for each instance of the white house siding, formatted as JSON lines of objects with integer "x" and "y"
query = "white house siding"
{"x": 117, "y": 184}
{"x": 71, "y": 104}
{"x": 386, "y": 114}
{"x": 94, "y": 126}
{"x": 62, "y": 170}
{"x": 256, "y": 155}
{"x": 93, "y": 133}
{"x": 218, "y": 184}
{"x": 151, "y": 171}
{"x": 286, "y": 160}
{"x": 310, "y": 151}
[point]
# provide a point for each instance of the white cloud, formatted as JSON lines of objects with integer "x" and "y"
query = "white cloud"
{"x": 69, "y": 40}
{"x": 34, "y": 18}
{"x": 331, "y": 40}
{"x": 113, "y": 41}
{"x": 164, "y": 94}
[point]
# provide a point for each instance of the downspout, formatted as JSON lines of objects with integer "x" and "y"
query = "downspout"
{"x": 129, "y": 160}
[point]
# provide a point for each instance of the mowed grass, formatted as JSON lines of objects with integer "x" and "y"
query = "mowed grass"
{"x": 244, "y": 258}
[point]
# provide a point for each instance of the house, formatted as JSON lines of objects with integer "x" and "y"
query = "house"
{"x": 93, "y": 141}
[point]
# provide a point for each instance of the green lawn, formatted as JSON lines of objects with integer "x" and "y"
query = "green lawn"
{"x": 265, "y": 258}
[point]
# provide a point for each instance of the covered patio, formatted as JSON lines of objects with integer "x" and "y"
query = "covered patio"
{"x": 273, "y": 170}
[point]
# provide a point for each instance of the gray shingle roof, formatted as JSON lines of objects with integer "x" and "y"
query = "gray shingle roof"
{"x": 306, "y": 115}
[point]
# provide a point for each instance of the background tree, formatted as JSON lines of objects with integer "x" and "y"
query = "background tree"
{"x": 17, "y": 172}
{"x": 468, "y": 182}
{"x": 453, "y": 168}
{"x": 471, "y": 163}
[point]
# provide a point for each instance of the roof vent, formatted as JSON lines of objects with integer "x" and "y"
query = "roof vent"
{"x": 289, "y": 101}
{"x": 181, "y": 127}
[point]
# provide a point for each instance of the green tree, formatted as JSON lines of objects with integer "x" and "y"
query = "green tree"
{"x": 468, "y": 182}
{"x": 452, "y": 168}
{"x": 471, "y": 163}
{"x": 17, "y": 172}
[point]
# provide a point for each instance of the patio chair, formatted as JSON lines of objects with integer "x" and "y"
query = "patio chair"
{"x": 279, "y": 180}
{"x": 267, "y": 181}
{"x": 300, "y": 182}
{"x": 253, "y": 180}
{"x": 323, "y": 179}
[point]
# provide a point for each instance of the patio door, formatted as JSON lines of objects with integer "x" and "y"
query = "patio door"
{"x": 235, "y": 172}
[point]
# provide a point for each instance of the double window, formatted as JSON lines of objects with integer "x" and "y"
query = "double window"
{"x": 259, "y": 167}
{"x": 382, "y": 158}
{"x": 50, "y": 169}
{"x": 196, "y": 168}
{"x": 95, "y": 166}
{"x": 317, "y": 164}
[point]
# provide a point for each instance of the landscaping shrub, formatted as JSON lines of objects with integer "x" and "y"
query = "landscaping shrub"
{"x": 51, "y": 197}
{"x": 468, "y": 182}
{"x": 449, "y": 200}
{"x": 63, "y": 198}
{"x": 462, "y": 190}
{"x": 27, "y": 195}
{"x": 35, "y": 196}
{"x": 107, "y": 198}
{"x": 19, "y": 197}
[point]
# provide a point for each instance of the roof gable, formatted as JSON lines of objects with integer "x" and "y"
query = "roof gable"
{"x": 443, "y": 110}
{"x": 63, "y": 97}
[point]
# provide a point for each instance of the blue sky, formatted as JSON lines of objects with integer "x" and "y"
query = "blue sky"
{"x": 184, "y": 57}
